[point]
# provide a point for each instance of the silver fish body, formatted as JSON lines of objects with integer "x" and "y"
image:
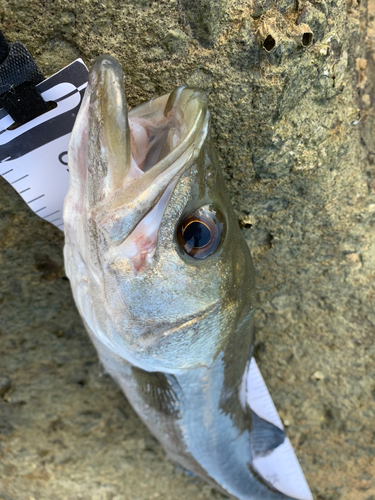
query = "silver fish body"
{"x": 163, "y": 278}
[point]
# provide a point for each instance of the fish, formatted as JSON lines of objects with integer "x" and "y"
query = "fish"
{"x": 163, "y": 278}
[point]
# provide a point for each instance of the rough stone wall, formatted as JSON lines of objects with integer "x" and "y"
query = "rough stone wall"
{"x": 290, "y": 85}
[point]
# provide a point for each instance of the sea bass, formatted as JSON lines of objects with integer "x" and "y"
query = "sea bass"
{"x": 163, "y": 278}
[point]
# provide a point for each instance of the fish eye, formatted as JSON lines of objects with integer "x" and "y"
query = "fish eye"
{"x": 200, "y": 233}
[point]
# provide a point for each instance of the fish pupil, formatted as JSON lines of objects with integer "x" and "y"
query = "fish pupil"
{"x": 197, "y": 234}
{"x": 200, "y": 234}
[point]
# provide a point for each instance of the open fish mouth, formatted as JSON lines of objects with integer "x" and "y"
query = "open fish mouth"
{"x": 126, "y": 164}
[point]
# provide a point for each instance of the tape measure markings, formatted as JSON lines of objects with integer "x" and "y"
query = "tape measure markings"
{"x": 20, "y": 179}
{"x": 53, "y": 213}
{"x": 32, "y": 201}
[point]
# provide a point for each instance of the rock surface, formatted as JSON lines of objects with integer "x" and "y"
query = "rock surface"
{"x": 294, "y": 124}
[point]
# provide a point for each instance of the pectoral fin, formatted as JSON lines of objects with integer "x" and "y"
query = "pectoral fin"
{"x": 159, "y": 391}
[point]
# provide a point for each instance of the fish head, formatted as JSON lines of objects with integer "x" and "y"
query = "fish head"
{"x": 159, "y": 269}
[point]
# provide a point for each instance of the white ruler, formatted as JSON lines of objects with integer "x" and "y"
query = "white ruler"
{"x": 33, "y": 159}
{"x": 280, "y": 468}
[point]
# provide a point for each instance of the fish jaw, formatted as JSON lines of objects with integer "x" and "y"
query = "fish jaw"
{"x": 132, "y": 177}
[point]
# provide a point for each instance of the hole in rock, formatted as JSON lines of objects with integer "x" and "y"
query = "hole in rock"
{"x": 269, "y": 43}
{"x": 307, "y": 39}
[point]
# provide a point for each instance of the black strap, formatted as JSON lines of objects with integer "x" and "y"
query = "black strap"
{"x": 4, "y": 47}
{"x": 19, "y": 76}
